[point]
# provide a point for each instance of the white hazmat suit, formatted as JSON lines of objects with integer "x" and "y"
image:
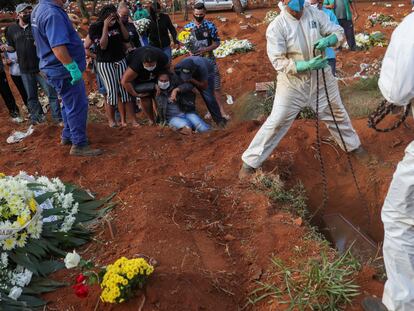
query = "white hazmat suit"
{"x": 290, "y": 40}
{"x": 397, "y": 85}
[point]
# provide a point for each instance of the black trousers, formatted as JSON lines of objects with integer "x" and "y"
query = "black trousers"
{"x": 18, "y": 82}
{"x": 7, "y": 95}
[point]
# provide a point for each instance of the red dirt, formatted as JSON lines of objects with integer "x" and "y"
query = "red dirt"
{"x": 181, "y": 203}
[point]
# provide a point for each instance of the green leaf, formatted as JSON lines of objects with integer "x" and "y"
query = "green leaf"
{"x": 50, "y": 266}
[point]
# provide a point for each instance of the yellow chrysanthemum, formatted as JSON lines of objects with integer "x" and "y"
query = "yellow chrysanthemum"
{"x": 2, "y": 175}
{"x": 33, "y": 205}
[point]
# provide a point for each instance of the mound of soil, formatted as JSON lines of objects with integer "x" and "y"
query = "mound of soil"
{"x": 180, "y": 200}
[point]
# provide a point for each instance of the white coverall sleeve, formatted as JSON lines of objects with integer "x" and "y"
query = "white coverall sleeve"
{"x": 327, "y": 28}
{"x": 277, "y": 49}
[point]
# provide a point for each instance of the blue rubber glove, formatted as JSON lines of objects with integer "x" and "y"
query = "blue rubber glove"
{"x": 325, "y": 42}
{"x": 74, "y": 71}
{"x": 313, "y": 64}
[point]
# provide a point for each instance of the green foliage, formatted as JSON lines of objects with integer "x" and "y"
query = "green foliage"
{"x": 294, "y": 198}
{"x": 39, "y": 255}
{"x": 307, "y": 113}
{"x": 320, "y": 284}
{"x": 267, "y": 103}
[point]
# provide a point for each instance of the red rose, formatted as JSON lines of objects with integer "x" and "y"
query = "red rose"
{"x": 81, "y": 290}
{"x": 80, "y": 278}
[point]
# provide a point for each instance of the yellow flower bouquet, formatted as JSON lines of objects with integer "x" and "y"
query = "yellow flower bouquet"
{"x": 123, "y": 278}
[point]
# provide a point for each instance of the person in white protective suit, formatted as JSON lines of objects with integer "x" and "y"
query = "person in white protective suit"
{"x": 397, "y": 86}
{"x": 291, "y": 39}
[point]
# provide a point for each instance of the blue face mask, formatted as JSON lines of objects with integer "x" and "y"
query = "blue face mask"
{"x": 296, "y": 5}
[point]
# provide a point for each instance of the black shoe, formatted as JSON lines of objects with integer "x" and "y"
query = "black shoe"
{"x": 84, "y": 151}
{"x": 65, "y": 142}
{"x": 373, "y": 304}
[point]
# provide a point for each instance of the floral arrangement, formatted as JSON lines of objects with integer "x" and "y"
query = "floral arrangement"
{"x": 39, "y": 218}
{"x": 366, "y": 41}
{"x": 119, "y": 281}
{"x": 13, "y": 280}
{"x": 179, "y": 52}
{"x": 186, "y": 37}
{"x": 123, "y": 277}
{"x": 233, "y": 46}
{"x": 142, "y": 25}
{"x": 382, "y": 19}
{"x": 19, "y": 213}
{"x": 270, "y": 16}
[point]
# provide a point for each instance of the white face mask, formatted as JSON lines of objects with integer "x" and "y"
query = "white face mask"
{"x": 164, "y": 85}
{"x": 315, "y": 5}
{"x": 150, "y": 68}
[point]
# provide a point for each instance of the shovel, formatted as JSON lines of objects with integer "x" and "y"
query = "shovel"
{"x": 345, "y": 236}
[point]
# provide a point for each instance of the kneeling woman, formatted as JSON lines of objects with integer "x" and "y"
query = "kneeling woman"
{"x": 110, "y": 36}
{"x": 176, "y": 104}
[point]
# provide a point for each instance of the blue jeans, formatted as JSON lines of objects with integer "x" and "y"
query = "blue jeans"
{"x": 31, "y": 82}
{"x": 74, "y": 110}
{"x": 211, "y": 102}
{"x": 191, "y": 120}
{"x": 332, "y": 64}
{"x": 167, "y": 51}
{"x": 100, "y": 84}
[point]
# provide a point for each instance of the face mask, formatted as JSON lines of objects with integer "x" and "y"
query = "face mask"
{"x": 164, "y": 85}
{"x": 198, "y": 18}
{"x": 66, "y": 4}
{"x": 26, "y": 18}
{"x": 296, "y": 5}
{"x": 315, "y": 5}
{"x": 150, "y": 68}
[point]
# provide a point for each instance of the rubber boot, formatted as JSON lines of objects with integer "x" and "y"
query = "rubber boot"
{"x": 246, "y": 172}
{"x": 373, "y": 304}
{"x": 84, "y": 151}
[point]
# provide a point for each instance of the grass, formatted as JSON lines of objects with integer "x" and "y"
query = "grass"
{"x": 294, "y": 199}
{"x": 362, "y": 97}
{"x": 320, "y": 284}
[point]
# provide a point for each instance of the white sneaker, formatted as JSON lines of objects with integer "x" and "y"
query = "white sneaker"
{"x": 17, "y": 120}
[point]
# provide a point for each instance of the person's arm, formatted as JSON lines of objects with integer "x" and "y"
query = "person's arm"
{"x": 328, "y": 28}
{"x": 103, "y": 41}
{"x": 10, "y": 46}
{"x": 172, "y": 30}
{"x": 62, "y": 54}
{"x": 277, "y": 49}
{"x": 202, "y": 85}
{"x": 127, "y": 79}
{"x": 86, "y": 45}
{"x": 329, "y": 4}
{"x": 354, "y": 10}
{"x": 124, "y": 30}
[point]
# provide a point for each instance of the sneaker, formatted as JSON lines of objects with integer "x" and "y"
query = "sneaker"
{"x": 17, "y": 119}
{"x": 373, "y": 304}
{"x": 84, "y": 151}
{"x": 246, "y": 171}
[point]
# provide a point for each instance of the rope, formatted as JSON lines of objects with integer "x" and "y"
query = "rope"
{"x": 318, "y": 139}
{"x": 383, "y": 109}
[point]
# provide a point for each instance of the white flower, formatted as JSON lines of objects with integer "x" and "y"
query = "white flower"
{"x": 15, "y": 292}
{"x": 72, "y": 260}
{"x": 4, "y": 260}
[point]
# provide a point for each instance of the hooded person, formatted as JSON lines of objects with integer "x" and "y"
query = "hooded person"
{"x": 291, "y": 40}
{"x": 397, "y": 86}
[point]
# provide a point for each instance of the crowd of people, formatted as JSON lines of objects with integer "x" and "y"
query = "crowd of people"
{"x": 133, "y": 71}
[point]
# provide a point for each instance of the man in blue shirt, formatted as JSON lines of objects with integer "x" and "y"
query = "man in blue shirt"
{"x": 62, "y": 59}
{"x": 329, "y": 52}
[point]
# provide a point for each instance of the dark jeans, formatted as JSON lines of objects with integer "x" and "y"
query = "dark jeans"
{"x": 211, "y": 102}
{"x": 332, "y": 64}
{"x": 31, "y": 82}
{"x": 7, "y": 95}
{"x": 348, "y": 26}
{"x": 18, "y": 82}
{"x": 74, "y": 110}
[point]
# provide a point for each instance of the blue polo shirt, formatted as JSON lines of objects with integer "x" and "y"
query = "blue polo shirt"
{"x": 330, "y": 52}
{"x": 51, "y": 27}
